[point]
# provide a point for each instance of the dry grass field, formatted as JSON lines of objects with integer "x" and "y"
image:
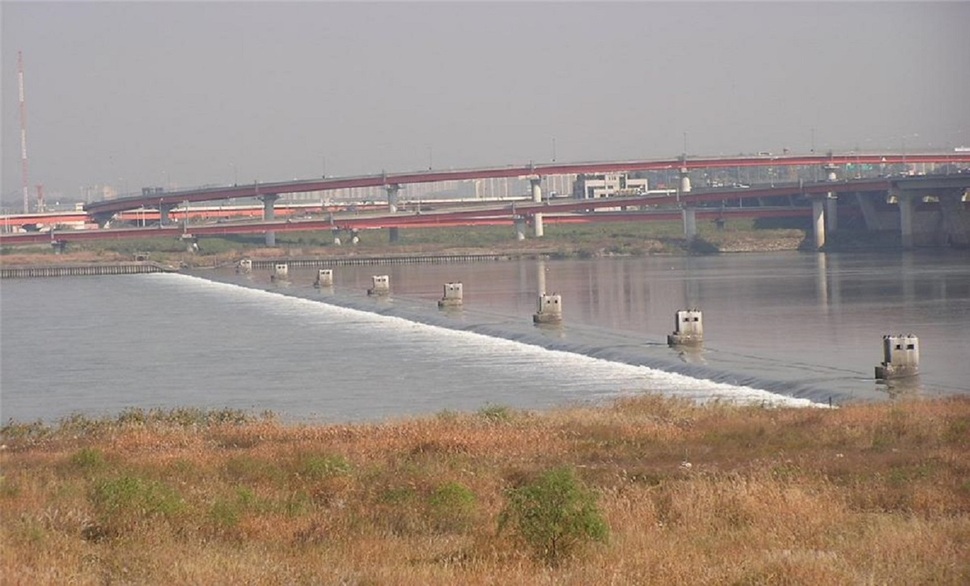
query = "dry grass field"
{"x": 644, "y": 491}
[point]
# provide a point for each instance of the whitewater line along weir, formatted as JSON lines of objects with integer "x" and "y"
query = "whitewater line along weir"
{"x": 132, "y": 268}
{"x": 128, "y": 268}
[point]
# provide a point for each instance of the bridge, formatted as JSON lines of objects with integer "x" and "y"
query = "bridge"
{"x": 910, "y": 213}
{"x": 393, "y": 181}
{"x": 920, "y": 207}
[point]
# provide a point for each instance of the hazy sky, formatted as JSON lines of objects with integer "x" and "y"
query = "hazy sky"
{"x": 134, "y": 94}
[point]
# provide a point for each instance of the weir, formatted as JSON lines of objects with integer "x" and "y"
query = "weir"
{"x": 453, "y": 295}
{"x": 380, "y": 286}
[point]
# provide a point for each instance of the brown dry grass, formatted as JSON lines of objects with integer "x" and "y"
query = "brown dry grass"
{"x": 865, "y": 494}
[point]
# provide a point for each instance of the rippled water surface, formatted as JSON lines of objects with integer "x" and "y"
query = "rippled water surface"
{"x": 783, "y": 328}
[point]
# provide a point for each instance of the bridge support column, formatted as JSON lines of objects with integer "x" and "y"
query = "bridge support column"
{"x": 269, "y": 214}
{"x": 519, "y": 227}
{"x": 684, "y": 180}
{"x": 906, "y": 211}
{"x": 393, "y": 234}
{"x": 164, "y": 211}
{"x": 537, "y": 227}
{"x": 831, "y": 214}
{"x": 536, "y": 183}
{"x": 103, "y": 220}
{"x": 392, "y": 197}
{"x": 956, "y": 219}
{"x": 689, "y": 215}
{"x": 818, "y": 221}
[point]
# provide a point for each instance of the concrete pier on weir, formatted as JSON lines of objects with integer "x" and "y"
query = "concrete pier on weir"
{"x": 900, "y": 357}
{"x": 688, "y": 328}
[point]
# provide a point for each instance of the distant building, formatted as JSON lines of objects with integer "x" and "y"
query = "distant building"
{"x": 607, "y": 185}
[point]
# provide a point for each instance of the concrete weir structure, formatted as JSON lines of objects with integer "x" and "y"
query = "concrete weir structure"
{"x": 900, "y": 357}
{"x": 324, "y": 278}
{"x": 380, "y": 286}
{"x": 245, "y": 266}
{"x": 281, "y": 272}
{"x": 688, "y": 328}
{"x": 452, "y": 295}
{"x": 549, "y": 309}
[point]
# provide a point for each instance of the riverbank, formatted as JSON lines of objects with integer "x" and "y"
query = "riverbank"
{"x": 560, "y": 241}
{"x": 677, "y": 493}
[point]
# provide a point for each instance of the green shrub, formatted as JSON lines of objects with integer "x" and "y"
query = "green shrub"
{"x": 554, "y": 516}
{"x": 317, "y": 466}
{"x": 226, "y": 512}
{"x": 495, "y": 413}
{"x": 88, "y": 459}
{"x": 451, "y": 507}
{"x": 125, "y": 502}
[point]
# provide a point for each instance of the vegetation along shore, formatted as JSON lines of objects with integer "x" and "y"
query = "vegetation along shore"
{"x": 644, "y": 491}
{"x": 560, "y": 241}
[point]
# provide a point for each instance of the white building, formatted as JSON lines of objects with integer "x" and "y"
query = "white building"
{"x": 608, "y": 185}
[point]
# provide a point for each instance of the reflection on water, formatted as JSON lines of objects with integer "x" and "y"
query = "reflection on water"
{"x": 806, "y": 324}
{"x": 908, "y": 387}
{"x": 793, "y": 324}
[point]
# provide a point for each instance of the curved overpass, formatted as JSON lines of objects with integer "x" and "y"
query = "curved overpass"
{"x": 107, "y": 208}
{"x": 561, "y": 211}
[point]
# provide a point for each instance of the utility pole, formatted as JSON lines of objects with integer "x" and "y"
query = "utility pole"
{"x": 23, "y": 132}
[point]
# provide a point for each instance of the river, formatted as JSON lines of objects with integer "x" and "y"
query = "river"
{"x": 780, "y": 328}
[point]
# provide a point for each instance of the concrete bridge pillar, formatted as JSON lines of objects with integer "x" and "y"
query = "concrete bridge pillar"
{"x": 956, "y": 219}
{"x": 537, "y": 227}
{"x": 269, "y": 214}
{"x": 818, "y": 221}
{"x": 519, "y": 227}
{"x": 164, "y": 211}
{"x": 831, "y": 213}
{"x": 103, "y": 220}
{"x": 684, "y": 180}
{"x": 689, "y": 215}
{"x": 392, "y": 196}
{"x": 536, "y": 183}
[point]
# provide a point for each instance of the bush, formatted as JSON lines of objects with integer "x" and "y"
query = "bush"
{"x": 554, "y": 516}
{"x": 126, "y": 502}
{"x": 451, "y": 508}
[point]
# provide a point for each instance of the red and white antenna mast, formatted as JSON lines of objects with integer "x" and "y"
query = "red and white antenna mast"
{"x": 23, "y": 132}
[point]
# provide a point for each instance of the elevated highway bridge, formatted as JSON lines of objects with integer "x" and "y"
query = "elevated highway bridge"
{"x": 887, "y": 203}
{"x": 269, "y": 191}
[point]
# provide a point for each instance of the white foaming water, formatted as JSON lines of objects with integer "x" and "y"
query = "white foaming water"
{"x": 433, "y": 358}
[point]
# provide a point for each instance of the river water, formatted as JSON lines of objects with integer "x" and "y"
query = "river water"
{"x": 780, "y": 328}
